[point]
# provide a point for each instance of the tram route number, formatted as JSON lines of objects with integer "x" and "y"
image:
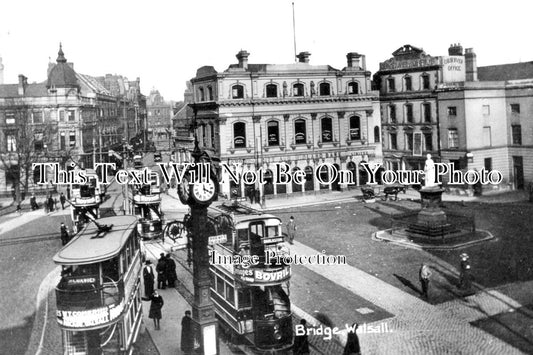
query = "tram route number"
{"x": 217, "y": 239}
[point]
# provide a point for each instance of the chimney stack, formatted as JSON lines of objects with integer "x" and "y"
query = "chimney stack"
{"x": 242, "y": 56}
{"x": 455, "y": 49}
{"x": 303, "y": 57}
{"x": 353, "y": 60}
{"x": 23, "y": 82}
{"x": 471, "y": 65}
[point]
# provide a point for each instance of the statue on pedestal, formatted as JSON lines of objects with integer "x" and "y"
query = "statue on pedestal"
{"x": 429, "y": 170}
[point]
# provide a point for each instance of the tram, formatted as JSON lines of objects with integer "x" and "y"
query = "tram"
{"x": 252, "y": 301}
{"x": 85, "y": 201}
{"x": 98, "y": 297}
{"x": 145, "y": 203}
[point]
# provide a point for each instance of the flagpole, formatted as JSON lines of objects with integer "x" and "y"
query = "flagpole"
{"x": 294, "y": 30}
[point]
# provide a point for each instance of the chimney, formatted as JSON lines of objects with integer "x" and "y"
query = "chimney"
{"x": 455, "y": 49}
{"x": 23, "y": 82}
{"x": 353, "y": 60}
{"x": 242, "y": 56}
{"x": 471, "y": 65}
{"x": 303, "y": 57}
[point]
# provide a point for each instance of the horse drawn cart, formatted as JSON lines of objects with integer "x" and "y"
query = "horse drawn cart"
{"x": 372, "y": 192}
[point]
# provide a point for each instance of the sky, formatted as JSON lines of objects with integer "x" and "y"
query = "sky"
{"x": 164, "y": 42}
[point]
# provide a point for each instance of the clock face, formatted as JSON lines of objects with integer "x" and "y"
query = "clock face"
{"x": 204, "y": 191}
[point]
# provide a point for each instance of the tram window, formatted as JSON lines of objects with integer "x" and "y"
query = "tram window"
{"x": 220, "y": 285}
{"x": 110, "y": 270}
{"x": 271, "y": 231}
{"x": 82, "y": 270}
{"x": 213, "y": 283}
{"x": 230, "y": 294}
{"x": 242, "y": 236}
{"x": 244, "y": 298}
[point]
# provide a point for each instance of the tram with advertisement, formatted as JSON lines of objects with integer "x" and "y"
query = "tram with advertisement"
{"x": 251, "y": 301}
{"x": 145, "y": 203}
{"x": 85, "y": 200}
{"x": 98, "y": 297}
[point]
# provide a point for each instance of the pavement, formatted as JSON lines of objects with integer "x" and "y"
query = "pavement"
{"x": 416, "y": 327}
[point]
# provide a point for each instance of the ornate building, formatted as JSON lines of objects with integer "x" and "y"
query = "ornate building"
{"x": 69, "y": 118}
{"x": 256, "y": 115}
{"x": 159, "y": 121}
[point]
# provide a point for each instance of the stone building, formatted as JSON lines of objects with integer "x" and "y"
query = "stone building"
{"x": 159, "y": 121}
{"x": 70, "y": 118}
{"x": 256, "y": 115}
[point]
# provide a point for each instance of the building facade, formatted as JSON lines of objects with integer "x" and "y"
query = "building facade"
{"x": 159, "y": 121}
{"x": 253, "y": 116}
{"x": 410, "y": 114}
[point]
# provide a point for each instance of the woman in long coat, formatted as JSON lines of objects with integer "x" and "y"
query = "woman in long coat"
{"x": 148, "y": 278}
{"x": 155, "y": 309}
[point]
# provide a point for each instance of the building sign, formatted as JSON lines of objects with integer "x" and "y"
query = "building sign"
{"x": 408, "y": 63}
{"x": 91, "y": 317}
{"x": 217, "y": 239}
{"x": 262, "y": 276}
{"x": 453, "y": 69}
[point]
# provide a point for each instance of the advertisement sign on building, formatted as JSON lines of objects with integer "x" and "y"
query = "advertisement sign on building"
{"x": 453, "y": 68}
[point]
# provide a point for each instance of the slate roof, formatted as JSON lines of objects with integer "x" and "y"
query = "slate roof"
{"x": 514, "y": 71}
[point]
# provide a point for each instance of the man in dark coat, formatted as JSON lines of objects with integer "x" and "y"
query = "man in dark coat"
{"x": 33, "y": 202}
{"x": 291, "y": 230}
{"x": 65, "y": 238}
{"x": 50, "y": 203}
{"x": 352, "y": 343}
{"x": 148, "y": 278}
{"x": 187, "y": 333}
{"x": 62, "y": 199}
{"x": 155, "y": 309}
{"x": 171, "y": 271}
{"x": 301, "y": 343}
{"x": 161, "y": 269}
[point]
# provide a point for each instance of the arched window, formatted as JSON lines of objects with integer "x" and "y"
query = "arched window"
{"x": 376, "y": 134}
{"x": 327, "y": 133}
{"x": 300, "y": 132}
{"x": 353, "y": 88}
{"x": 408, "y": 83}
{"x": 271, "y": 90}
{"x": 355, "y": 128}
{"x": 201, "y": 95}
{"x": 273, "y": 132}
{"x": 237, "y": 92}
{"x": 269, "y": 180}
{"x": 239, "y": 134}
{"x": 309, "y": 180}
{"x": 210, "y": 92}
{"x": 324, "y": 176}
{"x": 425, "y": 82}
{"x": 296, "y": 187}
{"x": 352, "y": 168}
{"x": 298, "y": 89}
{"x": 324, "y": 89}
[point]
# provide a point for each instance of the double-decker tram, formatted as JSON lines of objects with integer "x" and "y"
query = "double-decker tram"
{"x": 145, "y": 203}
{"x": 85, "y": 201}
{"x": 98, "y": 297}
{"x": 251, "y": 298}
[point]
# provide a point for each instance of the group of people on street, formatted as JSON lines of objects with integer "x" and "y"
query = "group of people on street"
{"x": 166, "y": 272}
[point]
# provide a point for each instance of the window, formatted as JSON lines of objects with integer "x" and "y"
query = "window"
{"x": 408, "y": 83}
{"x": 488, "y": 164}
{"x": 11, "y": 143}
{"x": 210, "y": 92}
{"x": 425, "y": 82}
{"x": 428, "y": 138}
{"x": 273, "y": 132}
{"x": 486, "y": 110}
{"x": 271, "y": 90}
{"x": 517, "y": 134}
{"x": 427, "y": 112}
{"x": 237, "y": 92}
{"x": 487, "y": 137}
{"x": 62, "y": 116}
{"x": 409, "y": 141}
{"x": 390, "y": 84}
{"x": 201, "y": 95}
{"x": 376, "y": 134}
{"x": 299, "y": 131}
{"x": 326, "y": 125}
{"x": 37, "y": 117}
{"x": 409, "y": 113}
{"x": 355, "y": 128}
{"x": 298, "y": 89}
{"x": 515, "y": 108}
{"x": 324, "y": 89}
{"x": 62, "y": 141}
{"x": 353, "y": 88}
{"x": 452, "y": 111}
{"x": 393, "y": 142}
{"x": 72, "y": 139}
{"x": 453, "y": 138}
{"x": 38, "y": 143}
{"x": 10, "y": 117}
{"x": 392, "y": 114}
{"x": 71, "y": 115}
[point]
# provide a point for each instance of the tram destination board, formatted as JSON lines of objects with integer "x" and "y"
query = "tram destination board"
{"x": 217, "y": 239}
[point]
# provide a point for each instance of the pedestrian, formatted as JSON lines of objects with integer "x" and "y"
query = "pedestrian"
{"x": 148, "y": 278}
{"x": 50, "y": 203}
{"x": 291, "y": 229}
{"x": 46, "y": 205}
{"x": 301, "y": 343}
{"x": 465, "y": 282}
{"x": 352, "y": 342}
{"x": 425, "y": 274}
{"x": 187, "y": 333}
{"x": 155, "y": 309}
{"x": 65, "y": 237}
{"x": 161, "y": 269}
{"x": 171, "y": 271}
{"x": 62, "y": 199}
{"x": 33, "y": 202}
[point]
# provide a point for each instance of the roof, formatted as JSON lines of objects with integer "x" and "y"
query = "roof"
{"x": 93, "y": 84}
{"x": 62, "y": 76}
{"x": 31, "y": 90}
{"x": 266, "y": 68}
{"x": 88, "y": 247}
{"x": 514, "y": 71}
